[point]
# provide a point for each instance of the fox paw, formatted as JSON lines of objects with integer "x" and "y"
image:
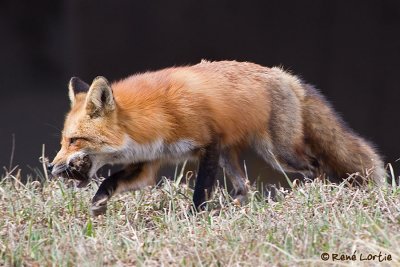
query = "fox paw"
{"x": 99, "y": 205}
{"x": 98, "y": 210}
{"x": 239, "y": 200}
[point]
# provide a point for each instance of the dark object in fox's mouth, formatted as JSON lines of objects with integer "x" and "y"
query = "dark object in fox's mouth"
{"x": 78, "y": 169}
{"x": 82, "y": 178}
{"x": 76, "y": 175}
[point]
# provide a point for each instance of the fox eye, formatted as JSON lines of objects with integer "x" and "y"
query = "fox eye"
{"x": 73, "y": 140}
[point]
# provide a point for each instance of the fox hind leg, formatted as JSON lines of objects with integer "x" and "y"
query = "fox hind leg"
{"x": 229, "y": 161}
{"x": 284, "y": 155}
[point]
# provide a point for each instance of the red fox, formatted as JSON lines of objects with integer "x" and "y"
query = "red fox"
{"x": 210, "y": 112}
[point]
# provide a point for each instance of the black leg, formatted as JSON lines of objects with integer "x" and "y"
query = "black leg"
{"x": 110, "y": 185}
{"x": 208, "y": 168}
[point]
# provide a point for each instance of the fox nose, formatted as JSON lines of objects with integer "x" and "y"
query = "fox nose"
{"x": 50, "y": 167}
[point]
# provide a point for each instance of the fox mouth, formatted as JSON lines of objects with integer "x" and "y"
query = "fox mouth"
{"x": 69, "y": 173}
{"x": 78, "y": 169}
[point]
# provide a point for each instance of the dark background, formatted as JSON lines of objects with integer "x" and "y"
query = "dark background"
{"x": 348, "y": 49}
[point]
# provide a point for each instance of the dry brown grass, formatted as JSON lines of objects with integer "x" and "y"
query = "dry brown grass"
{"x": 48, "y": 224}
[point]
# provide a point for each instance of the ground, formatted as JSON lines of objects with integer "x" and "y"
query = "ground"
{"x": 47, "y": 223}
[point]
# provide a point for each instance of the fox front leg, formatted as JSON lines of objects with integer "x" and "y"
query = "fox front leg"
{"x": 132, "y": 177}
{"x": 208, "y": 168}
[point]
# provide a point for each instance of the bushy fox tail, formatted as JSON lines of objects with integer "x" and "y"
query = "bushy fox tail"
{"x": 338, "y": 149}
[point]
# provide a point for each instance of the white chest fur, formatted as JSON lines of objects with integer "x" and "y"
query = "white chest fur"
{"x": 131, "y": 151}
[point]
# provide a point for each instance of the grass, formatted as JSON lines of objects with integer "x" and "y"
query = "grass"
{"x": 48, "y": 224}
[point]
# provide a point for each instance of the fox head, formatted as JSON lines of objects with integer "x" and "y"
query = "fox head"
{"x": 91, "y": 135}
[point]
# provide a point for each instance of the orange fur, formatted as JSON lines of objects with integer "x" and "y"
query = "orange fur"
{"x": 194, "y": 102}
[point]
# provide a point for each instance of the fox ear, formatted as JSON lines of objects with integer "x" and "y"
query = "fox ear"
{"x": 76, "y": 86}
{"x": 100, "y": 99}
